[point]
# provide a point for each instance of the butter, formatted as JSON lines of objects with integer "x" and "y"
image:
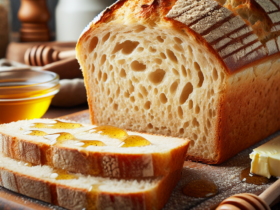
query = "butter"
{"x": 266, "y": 159}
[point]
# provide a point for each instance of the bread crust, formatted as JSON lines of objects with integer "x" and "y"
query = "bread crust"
{"x": 165, "y": 7}
{"x": 99, "y": 163}
{"x": 251, "y": 108}
{"x": 146, "y": 12}
{"x": 248, "y": 111}
{"x": 79, "y": 198}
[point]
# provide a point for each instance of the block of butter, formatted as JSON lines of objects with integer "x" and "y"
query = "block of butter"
{"x": 266, "y": 159}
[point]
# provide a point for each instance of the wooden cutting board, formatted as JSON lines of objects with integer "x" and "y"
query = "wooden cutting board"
{"x": 226, "y": 176}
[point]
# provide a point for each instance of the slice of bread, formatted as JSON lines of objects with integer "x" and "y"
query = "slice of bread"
{"x": 63, "y": 145}
{"x": 206, "y": 70}
{"x": 75, "y": 191}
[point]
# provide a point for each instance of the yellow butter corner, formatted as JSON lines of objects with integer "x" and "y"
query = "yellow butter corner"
{"x": 266, "y": 159}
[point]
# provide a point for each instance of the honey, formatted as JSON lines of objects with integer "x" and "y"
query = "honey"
{"x": 26, "y": 94}
{"x": 118, "y": 133}
{"x": 28, "y": 164}
{"x": 57, "y": 125}
{"x": 201, "y": 188}
{"x": 92, "y": 196}
{"x": 35, "y": 133}
{"x": 25, "y": 163}
{"x": 249, "y": 178}
{"x": 135, "y": 141}
{"x": 59, "y": 138}
{"x": 92, "y": 143}
{"x": 24, "y": 109}
{"x": 94, "y": 188}
{"x": 111, "y": 131}
{"x": 64, "y": 175}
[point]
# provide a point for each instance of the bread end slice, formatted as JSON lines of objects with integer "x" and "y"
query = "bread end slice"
{"x": 85, "y": 191}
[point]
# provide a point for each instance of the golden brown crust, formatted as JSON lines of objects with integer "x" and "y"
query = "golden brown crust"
{"x": 154, "y": 9}
{"x": 104, "y": 16}
{"x": 259, "y": 62}
{"x": 230, "y": 35}
{"x": 250, "y": 110}
{"x": 182, "y": 27}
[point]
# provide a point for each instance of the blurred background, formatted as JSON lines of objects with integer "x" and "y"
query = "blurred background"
{"x": 41, "y": 35}
{"x": 16, "y": 24}
{"x": 60, "y": 16}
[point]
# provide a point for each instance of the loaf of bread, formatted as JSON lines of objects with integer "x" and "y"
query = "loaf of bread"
{"x": 75, "y": 191}
{"x": 207, "y": 70}
{"x": 101, "y": 151}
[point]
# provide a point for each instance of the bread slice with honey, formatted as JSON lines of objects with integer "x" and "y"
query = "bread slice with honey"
{"x": 105, "y": 151}
{"x": 75, "y": 191}
{"x": 207, "y": 70}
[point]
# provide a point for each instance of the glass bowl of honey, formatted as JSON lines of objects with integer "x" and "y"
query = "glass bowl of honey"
{"x": 26, "y": 94}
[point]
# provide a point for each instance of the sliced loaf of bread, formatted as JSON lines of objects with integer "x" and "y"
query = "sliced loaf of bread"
{"x": 75, "y": 191}
{"x": 105, "y": 151}
{"x": 206, "y": 70}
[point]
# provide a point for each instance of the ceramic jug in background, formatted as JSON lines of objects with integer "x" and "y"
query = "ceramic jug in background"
{"x": 34, "y": 16}
{"x": 72, "y": 16}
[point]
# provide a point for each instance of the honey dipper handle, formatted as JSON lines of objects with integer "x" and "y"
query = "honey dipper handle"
{"x": 67, "y": 54}
{"x": 271, "y": 193}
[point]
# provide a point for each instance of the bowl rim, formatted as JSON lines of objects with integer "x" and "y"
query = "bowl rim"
{"x": 31, "y": 98}
{"x": 56, "y": 77}
{"x": 53, "y": 89}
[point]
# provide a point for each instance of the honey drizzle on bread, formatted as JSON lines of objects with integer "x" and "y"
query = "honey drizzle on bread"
{"x": 111, "y": 131}
{"x": 70, "y": 149}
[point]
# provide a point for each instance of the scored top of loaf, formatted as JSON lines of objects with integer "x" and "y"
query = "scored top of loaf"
{"x": 238, "y": 32}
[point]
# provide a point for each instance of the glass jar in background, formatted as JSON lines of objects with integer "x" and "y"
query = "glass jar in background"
{"x": 5, "y": 19}
{"x": 72, "y": 16}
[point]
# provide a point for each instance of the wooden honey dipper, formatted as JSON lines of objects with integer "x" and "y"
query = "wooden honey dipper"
{"x": 41, "y": 55}
{"x": 247, "y": 201}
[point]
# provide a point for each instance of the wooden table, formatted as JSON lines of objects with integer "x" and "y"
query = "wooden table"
{"x": 226, "y": 176}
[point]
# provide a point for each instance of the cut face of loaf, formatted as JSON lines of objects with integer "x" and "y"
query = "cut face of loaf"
{"x": 75, "y": 191}
{"x": 158, "y": 85}
{"x": 92, "y": 150}
{"x": 174, "y": 68}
